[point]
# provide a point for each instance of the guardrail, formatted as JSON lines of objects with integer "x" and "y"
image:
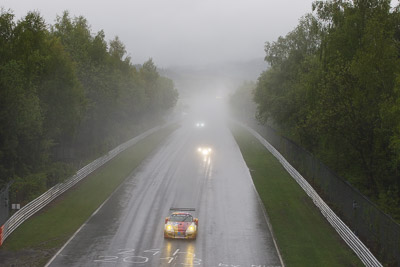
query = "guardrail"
{"x": 341, "y": 228}
{"x": 40, "y": 202}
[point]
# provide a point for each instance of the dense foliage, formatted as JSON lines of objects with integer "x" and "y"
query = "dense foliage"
{"x": 65, "y": 96}
{"x": 334, "y": 87}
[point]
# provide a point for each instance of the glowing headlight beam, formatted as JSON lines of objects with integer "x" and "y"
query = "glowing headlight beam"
{"x": 204, "y": 150}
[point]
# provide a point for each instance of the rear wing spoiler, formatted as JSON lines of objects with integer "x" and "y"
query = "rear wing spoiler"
{"x": 182, "y": 209}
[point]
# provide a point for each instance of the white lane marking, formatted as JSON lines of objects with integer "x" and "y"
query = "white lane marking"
{"x": 80, "y": 228}
{"x": 170, "y": 259}
{"x": 130, "y": 259}
{"x": 176, "y": 252}
{"x": 154, "y": 251}
{"x": 126, "y": 251}
{"x": 187, "y": 252}
{"x": 263, "y": 209}
{"x": 94, "y": 213}
{"x": 108, "y": 259}
{"x": 268, "y": 223}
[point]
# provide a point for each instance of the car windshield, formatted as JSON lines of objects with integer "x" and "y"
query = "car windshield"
{"x": 181, "y": 218}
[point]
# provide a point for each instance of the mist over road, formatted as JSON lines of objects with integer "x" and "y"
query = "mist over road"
{"x": 128, "y": 229}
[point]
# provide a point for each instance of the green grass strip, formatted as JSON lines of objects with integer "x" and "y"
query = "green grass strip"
{"x": 304, "y": 236}
{"x": 52, "y": 227}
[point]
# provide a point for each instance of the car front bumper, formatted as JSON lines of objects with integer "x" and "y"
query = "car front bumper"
{"x": 180, "y": 235}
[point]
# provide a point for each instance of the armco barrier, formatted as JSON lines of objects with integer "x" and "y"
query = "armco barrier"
{"x": 378, "y": 231}
{"x": 35, "y": 205}
{"x": 347, "y": 235}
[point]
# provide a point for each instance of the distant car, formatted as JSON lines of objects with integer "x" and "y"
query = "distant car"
{"x": 200, "y": 124}
{"x": 205, "y": 151}
{"x": 181, "y": 224}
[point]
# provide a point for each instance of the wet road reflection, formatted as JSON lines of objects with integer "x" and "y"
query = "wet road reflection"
{"x": 128, "y": 229}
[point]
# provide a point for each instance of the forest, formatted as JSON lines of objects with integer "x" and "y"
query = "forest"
{"x": 333, "y": 86}
{"x": 66, "y": 96}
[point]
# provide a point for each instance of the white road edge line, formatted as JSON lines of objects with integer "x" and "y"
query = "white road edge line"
{"x": 268, "y": 223}
{"x": 359, "y": 249}
{"x": 263, "y": 210}
{"x": 77, "y": 231}
{"x": 94, "y": 213}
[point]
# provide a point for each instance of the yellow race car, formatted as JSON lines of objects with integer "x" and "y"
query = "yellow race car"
{"x": 181, "y": 224}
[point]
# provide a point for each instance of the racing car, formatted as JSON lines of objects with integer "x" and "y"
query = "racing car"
{"x": 200, "y": 124}
{"x": 181, "y": 224}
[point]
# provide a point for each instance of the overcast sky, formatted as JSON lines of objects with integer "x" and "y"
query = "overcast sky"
{"x": 180, "y": 32}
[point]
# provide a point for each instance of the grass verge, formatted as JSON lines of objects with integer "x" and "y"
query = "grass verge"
{"x": 48, "y": 230}
{"x": 304, "y": 236}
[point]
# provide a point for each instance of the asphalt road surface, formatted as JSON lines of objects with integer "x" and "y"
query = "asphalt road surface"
{"x": 128, "y": 229}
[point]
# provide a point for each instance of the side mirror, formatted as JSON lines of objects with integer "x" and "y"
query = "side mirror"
{"x": 196, "y": 221}
{"x": 166, "y": 219}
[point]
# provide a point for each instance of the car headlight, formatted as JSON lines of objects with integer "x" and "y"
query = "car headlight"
{"x": 204, "y": 150}
{"x": 169, "y": 228}
{"x": 190, "y": 228}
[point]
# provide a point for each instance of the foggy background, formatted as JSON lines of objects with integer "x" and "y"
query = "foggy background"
{"x": 181, "y": 32}
{"x": 205, "y": 46}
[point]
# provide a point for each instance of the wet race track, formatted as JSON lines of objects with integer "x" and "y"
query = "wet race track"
{"x": 128, "y": 229}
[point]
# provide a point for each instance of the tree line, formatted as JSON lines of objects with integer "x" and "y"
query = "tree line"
{"x": 67, "y": 95}
{"x": 333, "y": 86}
